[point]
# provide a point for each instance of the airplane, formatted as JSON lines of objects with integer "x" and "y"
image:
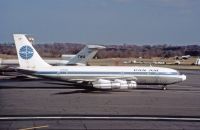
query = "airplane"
{"x": 99, "y": 77}
{"x": 185, "y": 57}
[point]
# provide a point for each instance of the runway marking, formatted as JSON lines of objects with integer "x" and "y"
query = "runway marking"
{"x": 102, "y": 118}
{"x": 37, "y": 127}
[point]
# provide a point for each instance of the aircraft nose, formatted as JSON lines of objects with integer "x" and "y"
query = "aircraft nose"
{"x": 183, "y": 77}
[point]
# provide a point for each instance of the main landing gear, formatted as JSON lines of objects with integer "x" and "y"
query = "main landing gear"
{"x": 164, "y": 87}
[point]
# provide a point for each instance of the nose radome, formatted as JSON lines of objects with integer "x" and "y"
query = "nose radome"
{"x": 183, "y": 77}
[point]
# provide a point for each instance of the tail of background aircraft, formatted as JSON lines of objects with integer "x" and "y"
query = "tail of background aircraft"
{"x": 27, "y": 55}
{"x": 85, "y": 54}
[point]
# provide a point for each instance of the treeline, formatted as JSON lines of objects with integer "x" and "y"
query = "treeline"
{"x": 111, "y": 51}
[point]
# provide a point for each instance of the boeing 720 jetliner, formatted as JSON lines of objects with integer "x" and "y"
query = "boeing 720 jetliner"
{"x": 101, "y": 77}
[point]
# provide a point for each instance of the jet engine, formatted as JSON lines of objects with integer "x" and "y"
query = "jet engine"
{"x": 116, "y": 84}
{"x": 123, "y": 83}
{"x": 102, "y": 84}
{"x": 132, "y": 84}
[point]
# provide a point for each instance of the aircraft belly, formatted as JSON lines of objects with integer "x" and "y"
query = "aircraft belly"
{"x": 154, "y": 80}
{"x": 169, "y": 79}
{"x": 145, "y": 79}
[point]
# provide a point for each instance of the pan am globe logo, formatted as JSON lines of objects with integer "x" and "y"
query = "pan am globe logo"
{"x": 26, "y": 52}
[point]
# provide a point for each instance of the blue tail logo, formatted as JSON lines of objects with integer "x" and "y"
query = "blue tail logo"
{"x": 26, "y": 52}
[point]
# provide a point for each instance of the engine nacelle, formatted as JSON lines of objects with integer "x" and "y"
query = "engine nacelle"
{"x": 102, "y": 84}
{"x": 126, "y": 84}
{"x": 116, "y": 84}
{"x": 132, "y": 84}
{"x": 103, "y": 81}
{"x": 105, "y": 84}
{"x": 123, "y": 83}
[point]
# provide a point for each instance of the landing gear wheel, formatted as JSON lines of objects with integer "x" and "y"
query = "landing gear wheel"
{"x": 164, "y": 88}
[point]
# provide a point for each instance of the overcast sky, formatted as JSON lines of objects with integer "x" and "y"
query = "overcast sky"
{"x": 102, "y": 21}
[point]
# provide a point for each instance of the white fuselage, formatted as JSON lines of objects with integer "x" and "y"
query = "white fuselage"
{"x": 142, "y": 75}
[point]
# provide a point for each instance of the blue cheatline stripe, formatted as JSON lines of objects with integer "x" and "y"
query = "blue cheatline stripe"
{"x": 108, "y": 73}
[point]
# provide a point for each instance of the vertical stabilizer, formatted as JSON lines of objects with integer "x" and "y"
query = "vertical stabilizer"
{"x": 87, "y": 53}
{"x": 27, "y": 55}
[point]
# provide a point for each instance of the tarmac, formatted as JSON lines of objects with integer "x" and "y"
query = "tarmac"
{"x": 27, "y": 104}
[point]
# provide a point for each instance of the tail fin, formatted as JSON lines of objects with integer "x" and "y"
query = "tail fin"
{"x": 27, "y": 55}
{"x": 85, "y": 54}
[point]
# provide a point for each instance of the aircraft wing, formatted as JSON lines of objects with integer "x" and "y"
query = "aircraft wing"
{"x": 106, "y": 78}
{"x": 24, "y": 71}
